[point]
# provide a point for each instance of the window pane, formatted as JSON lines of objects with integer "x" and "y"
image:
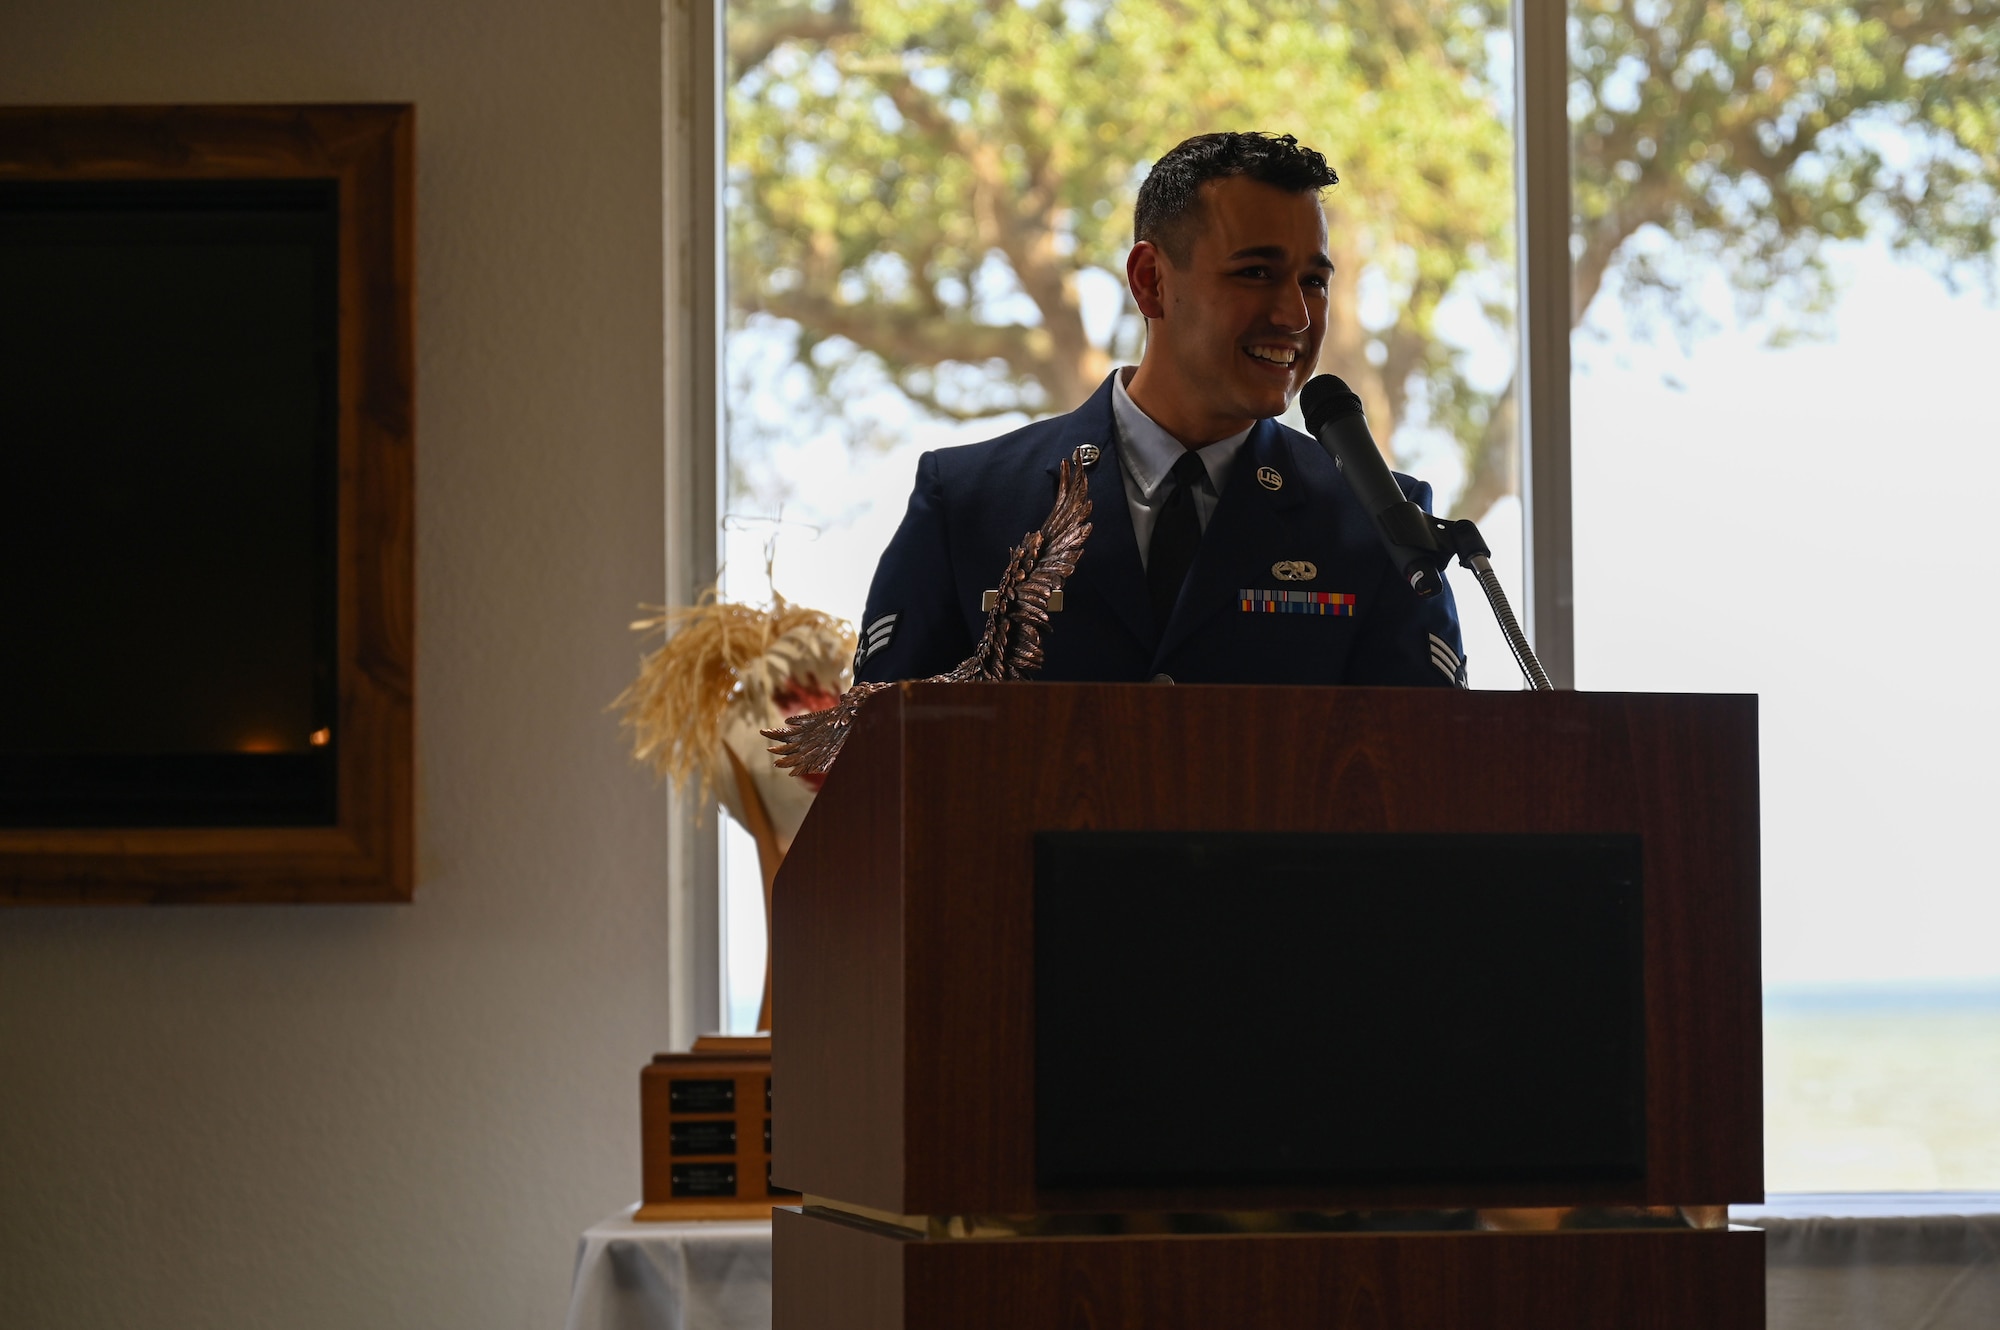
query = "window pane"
{"x": 929, "y": 206}
{"x": 1782, "y": 404}
{"x": 742, "y": 929}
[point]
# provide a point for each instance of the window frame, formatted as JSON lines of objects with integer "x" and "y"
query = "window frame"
{"x": 692, "y": 61}
{"x": 1542, "y": 285}
{"x": 691, "y": 33}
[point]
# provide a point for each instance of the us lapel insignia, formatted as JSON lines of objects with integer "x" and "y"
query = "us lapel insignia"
{"x": 1268, "y": 477}
{"x": 1088, "y": 454}
{"x": 1337, "y": 603}
{"x": 1294, "y": 570}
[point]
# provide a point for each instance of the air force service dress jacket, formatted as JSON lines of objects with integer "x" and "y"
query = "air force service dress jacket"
{"x": 1290, "y": 585}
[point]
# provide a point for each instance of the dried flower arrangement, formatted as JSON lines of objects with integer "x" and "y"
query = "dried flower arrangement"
{"x": 725, "y": 672}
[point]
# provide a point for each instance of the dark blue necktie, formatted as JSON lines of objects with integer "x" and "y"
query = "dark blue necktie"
{"x": 1176, "y": 537}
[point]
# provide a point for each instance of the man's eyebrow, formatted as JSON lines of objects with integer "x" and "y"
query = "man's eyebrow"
{"x": 1276, "y": 252}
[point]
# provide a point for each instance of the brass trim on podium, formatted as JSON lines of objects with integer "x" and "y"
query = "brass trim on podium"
{"x": 1547, "y": 1219}
{"x": 841, "y": 1271}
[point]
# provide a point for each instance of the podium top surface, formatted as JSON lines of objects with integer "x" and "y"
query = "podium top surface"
{"x": 1295, "y": 757}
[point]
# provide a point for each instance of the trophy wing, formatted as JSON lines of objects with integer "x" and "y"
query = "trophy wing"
{"x": 1039, "y": 569}
{"x": 806, "y": 744}
{"x": 1009, "y": 648}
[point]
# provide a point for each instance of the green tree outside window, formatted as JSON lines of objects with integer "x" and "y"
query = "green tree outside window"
{"x": 891, "y": 166}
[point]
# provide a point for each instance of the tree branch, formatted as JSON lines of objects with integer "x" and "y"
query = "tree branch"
{"x": 1493, "y": 470}
{"x": 1407, "y": 349}
{"x": 1021, "y": 225}
{"x": 921, "y": 109}
{"x": 1651, "y": 202}
{"x": 910, "y": 337}
{"x": 753, "y": 35}
{"x": 1345, "y": 350}
{"x": 929, "y": 401}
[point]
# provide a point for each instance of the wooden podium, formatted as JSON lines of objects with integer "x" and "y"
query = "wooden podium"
{"x": 1164, "y": 1007}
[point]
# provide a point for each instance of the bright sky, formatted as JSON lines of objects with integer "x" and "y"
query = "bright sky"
{"x": 1811, "y": 525}
{"x": 1805, "y": 524}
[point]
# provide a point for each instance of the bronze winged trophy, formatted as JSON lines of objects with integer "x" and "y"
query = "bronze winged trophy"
{"x": 1010, "y": 647}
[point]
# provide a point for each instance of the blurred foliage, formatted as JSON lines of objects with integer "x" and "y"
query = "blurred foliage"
{"x": 1747, "y": 135}
{"x": 919, "y": 187}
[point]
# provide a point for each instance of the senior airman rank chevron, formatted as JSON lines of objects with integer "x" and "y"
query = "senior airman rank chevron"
{"x": 875, "y": 637}
{"x": 1251, "y": 601}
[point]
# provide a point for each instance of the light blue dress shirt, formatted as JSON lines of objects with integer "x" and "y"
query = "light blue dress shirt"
{"x": 1146, "y": 456}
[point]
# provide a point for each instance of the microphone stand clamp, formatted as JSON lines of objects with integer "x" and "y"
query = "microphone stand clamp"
{"x": 1462, "y": 538}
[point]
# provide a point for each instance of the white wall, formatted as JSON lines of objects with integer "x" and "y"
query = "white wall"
{"x": 398, "y": 1116}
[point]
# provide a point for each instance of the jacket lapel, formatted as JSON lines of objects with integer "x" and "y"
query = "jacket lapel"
{"x": 1237, "y": 547}
{"x": 1109, "y": 567}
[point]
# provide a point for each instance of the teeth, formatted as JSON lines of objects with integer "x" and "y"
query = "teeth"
{"x": 1276, "y": 355}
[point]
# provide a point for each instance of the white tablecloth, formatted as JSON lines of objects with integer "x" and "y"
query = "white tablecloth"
{"x": 1832, "y": 1263}
{"x": 1880, "y": 1262}
{"x": 713, "y": 1275}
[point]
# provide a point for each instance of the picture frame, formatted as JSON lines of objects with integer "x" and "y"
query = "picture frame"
{"x": 362, "y": 848}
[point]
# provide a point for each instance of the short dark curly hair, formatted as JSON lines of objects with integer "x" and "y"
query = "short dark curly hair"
{"x": 1170, "y": 207}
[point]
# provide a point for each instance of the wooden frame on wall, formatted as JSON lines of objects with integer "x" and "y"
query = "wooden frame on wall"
{"x": 367, "y": 852}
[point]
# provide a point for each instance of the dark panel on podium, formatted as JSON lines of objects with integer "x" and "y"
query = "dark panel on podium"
{"x": 1429, "y": 1010}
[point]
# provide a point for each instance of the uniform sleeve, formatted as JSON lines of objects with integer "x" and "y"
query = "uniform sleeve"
{"x": 912, "y": 628}
{"x": 1410, "y": 641}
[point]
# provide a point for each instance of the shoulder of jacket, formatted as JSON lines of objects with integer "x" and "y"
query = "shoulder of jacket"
{"x": 1017, "y": 450}
{"x": 1307, "y": 449}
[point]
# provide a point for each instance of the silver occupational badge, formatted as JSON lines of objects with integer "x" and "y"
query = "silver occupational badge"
{"x": 1294, "y": 570}
{"x": 1268, "y": 477}
{"x": 1087, "y": 455}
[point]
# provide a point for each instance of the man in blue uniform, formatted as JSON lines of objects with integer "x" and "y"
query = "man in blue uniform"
{"x": 1225, "y": 547}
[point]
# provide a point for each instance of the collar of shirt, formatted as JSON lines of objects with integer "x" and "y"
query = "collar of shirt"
{"x": 1149, "y": 452}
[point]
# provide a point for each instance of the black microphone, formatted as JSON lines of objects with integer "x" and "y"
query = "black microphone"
{"x": 1333, "y": 414}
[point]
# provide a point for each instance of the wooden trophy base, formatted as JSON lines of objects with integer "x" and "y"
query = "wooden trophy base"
{"x": 845, "y": 1275}
{"x": 705, "y": 1132}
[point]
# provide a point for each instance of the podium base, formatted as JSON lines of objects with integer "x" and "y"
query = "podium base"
{"x": 840, "y": 1274}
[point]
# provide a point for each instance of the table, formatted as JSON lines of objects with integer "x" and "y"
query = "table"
{"x": 1871, "y": 1262}
{"x": 1880, "y": 1262}
{"x": 708, "y": 1275}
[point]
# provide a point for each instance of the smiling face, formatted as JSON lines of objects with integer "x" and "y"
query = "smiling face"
{"x": 1233, "y": 333}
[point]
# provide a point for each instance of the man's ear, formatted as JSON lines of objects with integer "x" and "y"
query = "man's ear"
{"x": 1145, "y": 273}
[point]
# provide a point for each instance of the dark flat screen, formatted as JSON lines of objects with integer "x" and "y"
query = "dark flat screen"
{"x": 1241, "y": 1009}
{"x": 168, "y": 436}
